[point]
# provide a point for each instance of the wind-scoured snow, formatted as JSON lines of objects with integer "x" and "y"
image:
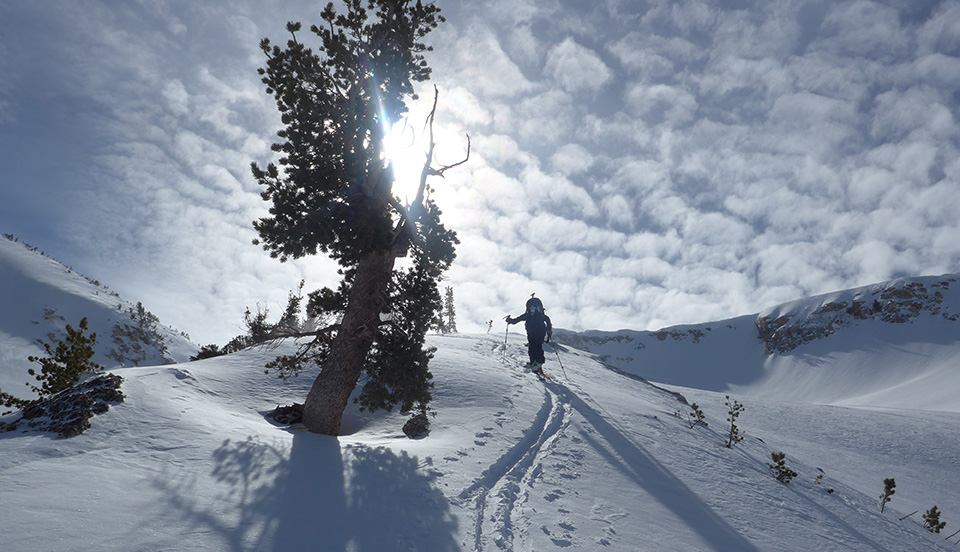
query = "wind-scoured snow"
{"x": 594, "y": 459}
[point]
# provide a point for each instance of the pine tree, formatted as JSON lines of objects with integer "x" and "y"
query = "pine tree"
{"x": 693, "y": 418}
{"x": 332, "y": 194}
{"x": 931, "y": 520}
{"x": 449, "y": 312}
{"x": 66, "y": 361}
{"x": 733, "y": 412}
{"x": 889, "y": 485}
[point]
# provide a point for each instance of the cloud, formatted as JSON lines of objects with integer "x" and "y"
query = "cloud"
{"x": 571, "y": 159}
{"x": 637, "y": 165}
{"x": 660, "y": 104}
{"x": 576, "y": 68}
{"x": 480, "y": 64}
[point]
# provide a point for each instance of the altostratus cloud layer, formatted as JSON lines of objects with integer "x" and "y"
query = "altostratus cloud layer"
{"x": 637, "y": 164}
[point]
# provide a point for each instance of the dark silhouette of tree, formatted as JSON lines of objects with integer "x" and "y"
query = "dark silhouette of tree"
{"x": 332, "y": 194}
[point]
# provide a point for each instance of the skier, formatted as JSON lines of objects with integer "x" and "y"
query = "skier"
{"x": 538, "y": 327}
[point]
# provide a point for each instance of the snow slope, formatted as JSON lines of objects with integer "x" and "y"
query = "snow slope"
{"x": 40, "y": 297}
{"x": 890, "y": 345}
{"x": 594, "y": 460}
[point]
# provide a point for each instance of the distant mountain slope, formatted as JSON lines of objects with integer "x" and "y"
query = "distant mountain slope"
{"x": 39, "y": 297}
{"x": 894, "y": 344}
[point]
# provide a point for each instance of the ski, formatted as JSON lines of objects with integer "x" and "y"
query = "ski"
{"x": 541, "y": 375}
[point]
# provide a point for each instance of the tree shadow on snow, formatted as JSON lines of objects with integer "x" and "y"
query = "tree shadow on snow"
{"x": 653, "y": 477}
{"x": 318, "y": 495}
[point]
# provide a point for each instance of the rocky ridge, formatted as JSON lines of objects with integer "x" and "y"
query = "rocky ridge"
{"x": 898, "y": 302}
{"x": 783, "y": 328}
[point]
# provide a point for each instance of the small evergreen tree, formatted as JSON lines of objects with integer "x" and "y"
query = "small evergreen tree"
{"x": 733, "y": 412}
{"x": 258, "y": 329}
{"x": 889, "y": 485}
{"x": 439, "y": 324}
{"x": 290, "y": 321}
{"x": 931, "y": 520}
{"x": 780, "y": 469}
{"x": 208, "y": 351}
{"x": 66, "y": 362}
{"x": 693, "y": 418}
{"x": 449, "y": 312}
{"x": 129, "y": 339}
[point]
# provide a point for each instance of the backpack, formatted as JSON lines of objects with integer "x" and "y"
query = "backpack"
{"x": 535, "y": 308}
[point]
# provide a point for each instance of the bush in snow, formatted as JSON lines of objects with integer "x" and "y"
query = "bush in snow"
{"x": 129, "y": 339}
{"x": 68, "y": 413}
{"x": 779, "y": 467}
{"x": 819, "y": 482}
{"x": 931, "y": 520}
{"x": 208, "y": 351}
{"x": 888, "y": 489}
{"x": 733, "y": 412}
{"x": 693, "y": 418}
{"x": 66, "y": 362}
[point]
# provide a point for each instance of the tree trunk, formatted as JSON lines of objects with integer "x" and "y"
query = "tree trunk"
{"x": 323, "y": 409}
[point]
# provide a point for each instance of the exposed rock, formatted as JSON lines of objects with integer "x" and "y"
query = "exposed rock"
{"x": 286, "y": 415}
{"x": 68, "y": 413}
{"x": 896, "y": 302}
{"x": 417, "y": 426}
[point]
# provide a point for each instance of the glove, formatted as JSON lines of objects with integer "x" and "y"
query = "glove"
{"x": 508, "y": 319}
{"x": 549, "y": 337}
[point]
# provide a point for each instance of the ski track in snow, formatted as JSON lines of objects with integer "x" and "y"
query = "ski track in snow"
{"x": 504, "y": 486}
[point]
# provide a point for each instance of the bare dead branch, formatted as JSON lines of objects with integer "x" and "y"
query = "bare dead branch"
{"x": 411, "y": 214}
{"x": 439, "y": 172}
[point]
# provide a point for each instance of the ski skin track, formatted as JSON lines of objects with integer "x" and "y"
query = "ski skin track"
{"x": 502, "y": 486}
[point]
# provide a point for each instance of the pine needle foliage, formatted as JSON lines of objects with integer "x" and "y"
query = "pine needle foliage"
{"x": 780, "y": 469}
{"x": 693, "y": 418}
{"x": 931, "y": 520}
{"x": 734, "y": 409}
{"x": 66, "y": 362}
{"x": 331, "y": 191}
{"x": 889, "y": 486}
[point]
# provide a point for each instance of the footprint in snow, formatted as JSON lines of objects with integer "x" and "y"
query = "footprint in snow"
{"x": 554, "y": 495}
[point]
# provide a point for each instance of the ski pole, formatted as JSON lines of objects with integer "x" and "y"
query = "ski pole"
{"x": 507, "y": 333}
{"x": 556, "y": 352}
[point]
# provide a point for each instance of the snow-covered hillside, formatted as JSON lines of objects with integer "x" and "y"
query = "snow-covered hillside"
{"x": 890, "y": 345}
{"x": 592, "y": 461}
{"x": 39, "y": 297}
{"x": 596, "y": 459}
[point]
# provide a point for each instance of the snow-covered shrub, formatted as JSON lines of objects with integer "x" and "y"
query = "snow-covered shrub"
{"x": 931, "y": 520}
{"x": 779, "y": 467}
{"x": 819, "y": 482}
